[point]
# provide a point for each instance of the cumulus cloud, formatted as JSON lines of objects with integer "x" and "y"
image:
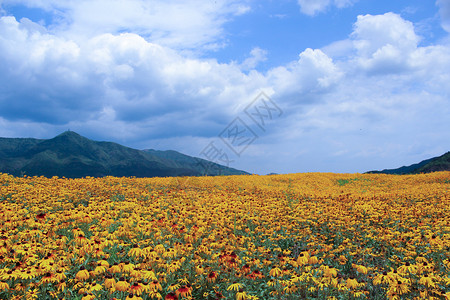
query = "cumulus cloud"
{"x": 133, "y": 79}
{"x": 353, "y": 96}
{"x": 313, "y": 7}
{"x": 384, "y": 43}
{"x": 313, "y": 73}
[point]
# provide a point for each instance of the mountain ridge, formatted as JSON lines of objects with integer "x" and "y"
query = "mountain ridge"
{"x": 72, "y": 155}
{"x": 434, "y": 164}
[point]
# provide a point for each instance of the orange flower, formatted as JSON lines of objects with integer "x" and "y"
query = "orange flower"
{"x": 136, "y": 288}
{"x": 184, "y": 291}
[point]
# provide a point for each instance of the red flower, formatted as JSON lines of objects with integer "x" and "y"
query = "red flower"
{"x": 171, "y": 296}
{"x": 212, "y": 276}
{"x": 184, "y": 291}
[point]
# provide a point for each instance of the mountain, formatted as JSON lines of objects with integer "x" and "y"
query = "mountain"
{"x": 199, "y": 165}
{"x": 72, "y": 155}
{"x": 439, "y": 163}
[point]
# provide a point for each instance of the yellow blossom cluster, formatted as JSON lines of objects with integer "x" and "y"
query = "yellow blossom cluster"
{"x": 296, "y": 236}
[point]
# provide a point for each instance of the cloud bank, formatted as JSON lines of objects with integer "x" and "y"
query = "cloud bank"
{"x": 369, "y": 95}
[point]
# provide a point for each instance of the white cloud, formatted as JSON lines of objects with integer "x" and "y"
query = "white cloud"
{"x": 371, "y": 33}
{"x": 135, "y": 78}
{"x": 312, "y": 7}
{"x": 340, "y": 49}
{"x": 384, "y": 43}
{"x": 257, "y": 55}
{"x": 444, "y": 11}
{"x": 314, "y": 72}
{"x": 124, "y": 81}
{"x": 191, "y": 24}
{"x": 352, "y": 98}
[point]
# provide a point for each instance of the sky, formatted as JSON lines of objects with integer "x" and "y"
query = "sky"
{"x": 263, "y": 86}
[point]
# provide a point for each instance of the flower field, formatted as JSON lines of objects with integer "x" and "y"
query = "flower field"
{"x": 297, "y": 236}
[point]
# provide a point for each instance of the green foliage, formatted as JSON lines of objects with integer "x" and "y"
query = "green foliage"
{"x": 344, "y": 181}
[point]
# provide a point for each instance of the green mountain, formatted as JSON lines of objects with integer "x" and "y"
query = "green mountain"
{"x": 440, "y": 163}
{"x": 72, "y": 155}
{"x": 203, "y": 167}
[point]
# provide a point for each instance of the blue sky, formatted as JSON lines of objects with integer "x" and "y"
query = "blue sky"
{"x": 340, "y": 85}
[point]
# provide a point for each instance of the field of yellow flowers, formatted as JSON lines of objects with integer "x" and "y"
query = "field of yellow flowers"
{"x": 297, "y": 236}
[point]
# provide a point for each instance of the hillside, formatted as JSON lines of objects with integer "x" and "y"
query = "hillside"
{"x": 72, "y": 155}
{"x": 439, "y": 163}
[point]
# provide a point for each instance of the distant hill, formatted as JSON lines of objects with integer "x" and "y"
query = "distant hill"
{"x": 72, "y": 155}
{"x": 440, "y": 163}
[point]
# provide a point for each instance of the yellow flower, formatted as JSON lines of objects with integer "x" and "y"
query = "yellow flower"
{"x": 81, "y": 239}
{"x": 342, "y": 260}
{"x": 95, "y": 287}
{"x": 82, "y": 275}
{"x": 407, "y": 268}
{"x": 32, "y": 294}
{"x": 87, "y": 296}
{"x": 329, "y": 272}
{"x": 360, "y": 268}
{"x": 131, "y": 296}
{"x": 122, "y": 285}
{"x": 275, "y": 272}
{"x": 109, "y": 281}
{"x": 49, "y": 278}
{"x": 427, "y": 280}
{"x": 127, "y": 267}
{"x": 62, "y": 285}
{"x": 382, "y": 278}
{"x": 313, "y": 260}
{"x": 115, "y": 268}
{"x": 351, "y": 283}
{"x": 137, "y": 288}
{"x": 155, "y": 285}
{"x": 148, "y": 274}
{"x": 303, "y": 258}
{"x": 3, "y": 286}
{"x": 99, "y": 270}
{"x": 241, "y": 295}
{"x": 290, "y": 288}
{"x": 136, "y": 251}
{"x": 27, "y": 275}
{"x": 235, "y": 286}
{"x": 398, "y": 287}
{"x": 271, "y": 282}
{"x": 199, "y": 270}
